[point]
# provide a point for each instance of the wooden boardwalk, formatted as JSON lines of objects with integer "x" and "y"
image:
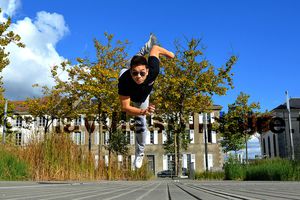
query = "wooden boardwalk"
{"x": 150, "y": 190}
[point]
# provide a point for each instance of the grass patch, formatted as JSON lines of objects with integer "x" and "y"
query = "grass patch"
{"x": 219, "y": 175}
{"x": 12, "y": 167}
{"x": 267, "y": 170}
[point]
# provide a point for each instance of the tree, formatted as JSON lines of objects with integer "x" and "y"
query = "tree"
{"x": 235, "y": 126}
{"x": 97, "y": 80}
{"x": 186, "y": 86}
{"x": 51, "y": 106}
{"x": 6, "y": 38}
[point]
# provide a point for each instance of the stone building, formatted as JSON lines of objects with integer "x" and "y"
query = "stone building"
{"x": 25, "y": 127}
{"x": 279, "y": 144}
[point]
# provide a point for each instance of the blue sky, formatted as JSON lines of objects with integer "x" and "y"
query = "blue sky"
{"x": 264, "y": 34}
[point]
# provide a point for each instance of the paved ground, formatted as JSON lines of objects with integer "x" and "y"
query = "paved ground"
{"x": 154, "y": 190}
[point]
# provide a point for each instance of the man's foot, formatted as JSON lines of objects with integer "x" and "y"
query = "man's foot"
{"x": 148, "y": 45}
{"x": 139, "y": 160}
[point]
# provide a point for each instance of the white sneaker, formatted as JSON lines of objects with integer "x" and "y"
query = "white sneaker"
{"x": 139, "y": 160}
{"x": 148, "y": 45}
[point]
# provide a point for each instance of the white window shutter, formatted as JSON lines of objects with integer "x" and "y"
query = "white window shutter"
{"x": 96, "y": 138}
{"x": 107, "y": 121}
{"x": 132, "y": 162}
{"x": 192, "y": 135}
{"x": 155, "y": 137}
{"x": 120, "y": 158}
{"x": 148, "y": 137}
{"x": 210, "y": 161}
{"x": 73, "y": 136}
{"x": 106, "y": 137}
{"x": 212, "y": 117}
{"x": 191, "y": 120}
{"x": 82, "y": 120}
{"x": 213, "y": 137}
{"x": 131, "y": 137}
{"x": 201, "y": 118}
{"x": 106, "y": 160}
{"x": 165, "y": 162}
{"x": 82, "y": 137}
{"x": 164, "y": 136}
{"x": 193, "y": 160}
{"x": 96, "y": 160}
{"x": 54, "y": 122}
{"x": 184, "y": 160}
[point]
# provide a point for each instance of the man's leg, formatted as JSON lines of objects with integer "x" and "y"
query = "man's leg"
{"x": 146, "y": 48}
{"x": 148, "y": 45}
{"x": 140, "y": 133}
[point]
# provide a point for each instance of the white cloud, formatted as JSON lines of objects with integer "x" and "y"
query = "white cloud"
{"x": 9, "y": 7}
{"x": 33, "y": 63}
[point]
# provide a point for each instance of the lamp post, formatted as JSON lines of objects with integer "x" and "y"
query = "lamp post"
{"x": 205, "y": 139}
{"x": 90, "y": 127}
{"x": 290, "y": 125}
{"x": 4, "y": 122}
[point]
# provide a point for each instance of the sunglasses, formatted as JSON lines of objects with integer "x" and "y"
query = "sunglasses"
{"x": 134, "y": 73}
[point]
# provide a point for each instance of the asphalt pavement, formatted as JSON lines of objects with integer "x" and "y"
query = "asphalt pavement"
{"x": 162, "y": 189}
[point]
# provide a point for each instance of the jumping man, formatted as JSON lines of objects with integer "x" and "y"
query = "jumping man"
{"x": 135, "y": 85}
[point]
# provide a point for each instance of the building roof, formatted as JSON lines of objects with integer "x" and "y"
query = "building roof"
{"x": 19, "y": 106}
{"x": 294, "y": 104}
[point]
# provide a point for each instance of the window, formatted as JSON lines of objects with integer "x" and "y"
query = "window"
{"x": 191, "y": 119}
{"x": 171, "y": 162}
{"x": 42, "y": 121}
{"x": 151, "y": 137}
{"x": 132, "y": 137}
{"x": 19, "y": 122}
{"x": 164, "y": 136}
{"x": 201, "y": 118}
{"x": 18, "y": 139}
{"x": 127, "y": 134}
{"x": 274, "y": 145}
{"x": 79, "y": 138}
{"x": 264, "y": 146}
{"x": 192, "y": 141}
{"x": 78, "y": 121}
{"x": 106, "y": 138}
{"x": 96, "y": 138}
{"x": 269, "y": 146}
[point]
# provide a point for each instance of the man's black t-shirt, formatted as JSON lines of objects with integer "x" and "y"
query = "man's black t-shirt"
{"x": 139, "y": 92}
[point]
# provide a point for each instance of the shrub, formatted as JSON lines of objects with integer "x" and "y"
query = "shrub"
{"x": 268, "y": 170}
{"x": 234, "y": 170}
{"x": 219, "y": 175}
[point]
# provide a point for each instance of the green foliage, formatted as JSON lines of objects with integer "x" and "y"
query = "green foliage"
{"x": 234, "y": 126}
{"x": 268, "y": 170}
{"x": 190, "y": 81}
{"x": 11, "y": 167}
{"x": 118, "y": 143}
{"x": 234, "y": 170}
{"x": 274, "y": 170}
{"x": 219, "y": 175}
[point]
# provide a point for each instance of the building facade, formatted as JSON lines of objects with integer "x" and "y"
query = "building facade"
{"x": 25, "y": 127}
{"x": 280, "y": 144}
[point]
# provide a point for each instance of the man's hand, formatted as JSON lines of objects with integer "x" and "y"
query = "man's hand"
{"x": 149, "y": 110}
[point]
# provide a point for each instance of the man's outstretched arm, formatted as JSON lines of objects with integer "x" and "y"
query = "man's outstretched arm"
{"x": 133, "y": 111}
{"x": 157, "y": 51}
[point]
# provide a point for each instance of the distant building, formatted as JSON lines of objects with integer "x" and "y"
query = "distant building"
{"x": 26, "y": 127}
{"x": 278, "y": 144}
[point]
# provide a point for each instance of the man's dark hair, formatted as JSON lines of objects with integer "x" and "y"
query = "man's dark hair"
{"x": 138, "y": 60}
